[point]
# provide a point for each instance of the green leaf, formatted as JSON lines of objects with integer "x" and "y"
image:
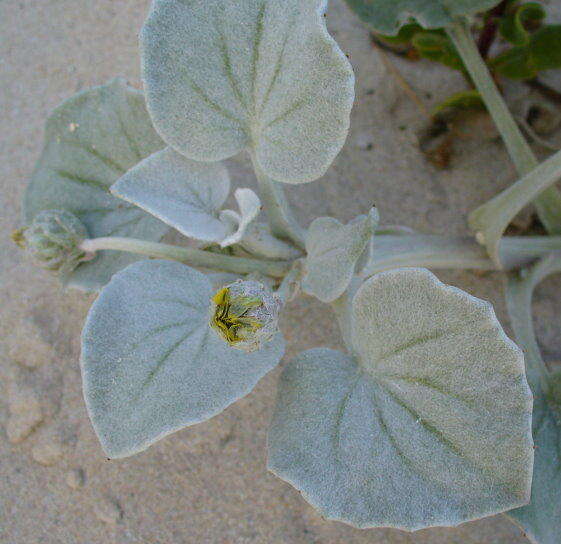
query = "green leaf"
{"x": 183, "y": 193}
{"x": 541, "y": 519}
{"x": 387, "y": 16}
{"x": 515, "y": 63}
{"x": 545, "y": 47}
{"x": 151, "y": 364}
{"x": 222, "y": 76}
{"x": 429, "y": 424}
{"x": 460, "y": 101}
{"x": 333, "y": 251}
{"x": 525, "y": 62}
{"x": 436, "y": 46}
{"x": 404, "y": 36}
{"x": 91, "y": 140}
{"x": 512, "y": 27}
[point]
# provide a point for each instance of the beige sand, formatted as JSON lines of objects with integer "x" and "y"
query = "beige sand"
{"x": 207, "y": 484}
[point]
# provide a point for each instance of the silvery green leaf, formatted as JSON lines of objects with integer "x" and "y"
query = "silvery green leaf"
{"x": 150, "y": 362}
{"x": 183, "y": 193}
{"x": 222, "y": 76}
{"x": 250, "y": 207}
{"x": 387, "y": 16}
{"x": 428, "y": 424}
{"x": 343, "y": 308}
{"x": 333, "y": 251}
{"x": 289, "y": 288}
{"x": 91, "y": 140}
{"x": 541, "y": 519}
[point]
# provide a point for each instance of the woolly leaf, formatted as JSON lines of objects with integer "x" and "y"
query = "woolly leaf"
{"x": 387, "y": 16}
{"x": 183, "y": 193}
{"x": 333, "y": 251}
{"x": 150, "y": 362}
{"x": 91, "y": 140}
{"x": 222, "y": 76}
{"x": 428, "y": 424}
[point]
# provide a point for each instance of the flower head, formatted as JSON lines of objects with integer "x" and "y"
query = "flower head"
{"x": 53, "y": 240}
{"x": 245, "y": 314}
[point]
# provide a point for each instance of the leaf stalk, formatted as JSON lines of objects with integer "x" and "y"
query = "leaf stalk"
{"x": 548, "y": 203}
{"x": 188, "y": 255}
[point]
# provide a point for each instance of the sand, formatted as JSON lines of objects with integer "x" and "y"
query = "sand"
{"x": 206, "y": 484}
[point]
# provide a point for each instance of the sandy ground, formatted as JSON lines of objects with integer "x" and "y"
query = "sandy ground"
{"x": 206, "y": 484}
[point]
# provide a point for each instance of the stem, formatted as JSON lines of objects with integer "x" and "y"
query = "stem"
{"x": 441, "y": 252}
{"x": 519, "y": 293}
{"x": 281, "y": 219}
{"x": 188, "y": 255}
{"x": 518, "y": 148}
{"x": 490, "y": 220}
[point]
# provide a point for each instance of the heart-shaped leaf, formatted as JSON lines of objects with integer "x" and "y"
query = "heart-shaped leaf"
{"x": 150, "y": 362}
{"x": 333, "y": 251}
{"x": 183, "y": 193}
{"x": 222, "y": 76}
{"x": 541, "y": 519}
{"x": 387, "y": 16}
{"x": 429, "y": 424}
{"x": 91, "y": 140}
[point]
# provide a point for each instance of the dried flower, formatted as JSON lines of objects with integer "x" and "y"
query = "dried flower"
{"x": 245, "y": 314}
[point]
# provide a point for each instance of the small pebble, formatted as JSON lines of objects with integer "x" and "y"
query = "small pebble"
{"x": 47, "y": 453}
{"x": 20, "y": 426}
{"x": 75, "y": 478}
{"x": 108, "y": 510}
{"x": 22, "y": 398}
{"x": 27, "y": 346}
{"x": 25, "y": 412}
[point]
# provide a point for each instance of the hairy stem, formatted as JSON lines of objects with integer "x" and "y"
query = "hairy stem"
{"x": 188, "y": 255}
{"x": 518, "y": 148}
{"x": 281, "y": 219}
{"x": 490, "y": 220}
{"x": 519, "y": 294}
{"x": 455, "y": 252}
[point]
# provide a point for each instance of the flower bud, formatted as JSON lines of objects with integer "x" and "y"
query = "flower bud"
{"x": 53, "y": 240}
{"x": 245, "y": 314}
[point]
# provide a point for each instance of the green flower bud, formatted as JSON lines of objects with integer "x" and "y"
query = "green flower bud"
{"x": 245, "y": 314}
{"x": 53, "y": 240}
